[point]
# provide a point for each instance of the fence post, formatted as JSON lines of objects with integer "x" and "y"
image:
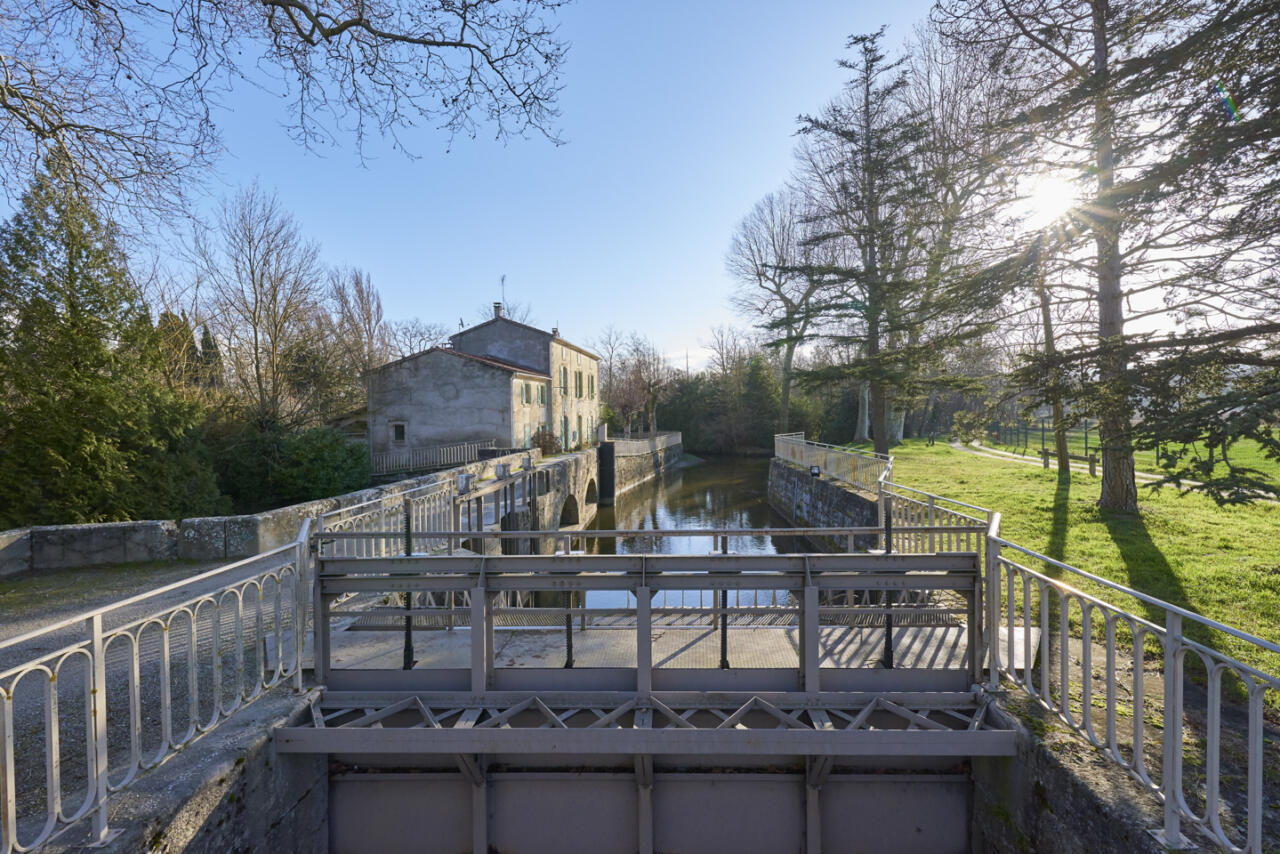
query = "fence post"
{"x": 1171, "y": 766}
{"x": 99, "y": 711}
{"x": 992, "y": 594}
{"x": 886, "y": 500}
{"x": 933, "y": 546}
{"x": 408, "y": 594}
{"x": 301, "y": 552}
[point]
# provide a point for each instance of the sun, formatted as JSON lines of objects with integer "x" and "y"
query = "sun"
{"x": 1047, "y": 199}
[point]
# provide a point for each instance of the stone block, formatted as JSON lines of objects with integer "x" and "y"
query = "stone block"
{"x": 203, "y": 538}
{"x": 15, "y": 551}
{"x": 243, "y": 538}
{"x": 61, "y": 546}
{"x": 156, "y": 540}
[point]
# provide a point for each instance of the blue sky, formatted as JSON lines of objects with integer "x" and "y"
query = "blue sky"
{"x": 677, "y": 117}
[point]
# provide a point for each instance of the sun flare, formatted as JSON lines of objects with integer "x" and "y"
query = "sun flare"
{"x": 1048, "y": 198}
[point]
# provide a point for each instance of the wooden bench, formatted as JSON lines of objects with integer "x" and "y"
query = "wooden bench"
{"x": 1091, "y": 459}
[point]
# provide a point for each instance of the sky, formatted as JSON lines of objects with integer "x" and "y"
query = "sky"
{"x": 677, "y": 117}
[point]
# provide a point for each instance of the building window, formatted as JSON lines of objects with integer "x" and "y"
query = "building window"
{"x": 564, "y": 381}
{"x": 526, "y": 393}
{"x": 398, "y": 432}
{"x": 580, "y": 433}
{"x": 542, "y": 393}
{"x": 577, "y": 383}
{"x": 591, "y": 386}
{"x": 528, "y": 436}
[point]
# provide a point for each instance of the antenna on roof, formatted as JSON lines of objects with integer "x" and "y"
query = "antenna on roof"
{"x": 461, "y": 325}
{"x": 502, "y": 282}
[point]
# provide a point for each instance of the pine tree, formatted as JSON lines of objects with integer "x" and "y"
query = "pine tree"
{"x": 87, "y": 428}
{"x": 211, "y": 375}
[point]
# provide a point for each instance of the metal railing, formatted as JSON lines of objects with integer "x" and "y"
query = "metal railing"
{"x": 872, "y": 617}
{"x": 940, "y": 524}
{"x": 644, "y": 444}
{"x": 440, "y": 456}
{"x": 865, "y": 471}
{"x": 428, "y": 507}
{"x": 1173, "y": 748}
{"x": 1092, "y": 663}
{"x": 122, "y": 688}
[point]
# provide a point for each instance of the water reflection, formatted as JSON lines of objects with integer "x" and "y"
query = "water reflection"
{"x": 720, "y": 493}
{"x": 723, "y": 492}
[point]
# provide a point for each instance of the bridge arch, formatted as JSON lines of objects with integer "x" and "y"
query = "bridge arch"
{"x": 592, "y": 496}
{"x": 569, "y": 512}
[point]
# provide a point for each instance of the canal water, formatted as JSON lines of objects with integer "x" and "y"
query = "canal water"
{"x": 717, "y": 493}
{"x": 720, "y": 492}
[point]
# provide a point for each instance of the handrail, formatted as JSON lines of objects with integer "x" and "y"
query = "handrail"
{"x": 1143, "y": 597}
{"x": 249, "y": 633}
{"x": 159, "y": 591}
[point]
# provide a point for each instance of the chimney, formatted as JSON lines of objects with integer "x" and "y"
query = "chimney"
{"x": 555, "y": 331}
{"x": 497, "y": 309}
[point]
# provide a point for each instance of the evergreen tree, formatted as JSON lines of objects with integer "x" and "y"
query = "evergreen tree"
{"x": 87, "y": 426}
{"x": 761, "y": 396}
{"x": 211, "y": 376}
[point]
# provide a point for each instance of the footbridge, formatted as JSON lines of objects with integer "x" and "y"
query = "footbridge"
{"x": 754, "y": 702}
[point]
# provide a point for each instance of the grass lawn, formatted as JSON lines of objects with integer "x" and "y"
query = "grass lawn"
{"x": 1223, "y": 563}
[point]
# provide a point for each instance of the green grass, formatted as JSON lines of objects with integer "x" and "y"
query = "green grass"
{"x": 1223, "y": 563}
{"x": 1244, "y": 454}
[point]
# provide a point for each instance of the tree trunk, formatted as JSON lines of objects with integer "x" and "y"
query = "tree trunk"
{"x": 862, "y": 431}
{"x": 897, "y": 423}
{"x": 784, "y": 419}
{"x": 1055, "y": 401}
{"x": 1119, "y": 488}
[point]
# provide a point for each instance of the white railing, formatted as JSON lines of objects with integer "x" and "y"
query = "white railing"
{"x": 440, "y": 456}
{"x": 425, "y": 508}
{"x": 1174, "y": 744}
{"x": 865, "y": 471}
{"x": 123, "y": 687}
{"x": 941, "y": 524}
{"x": 638, "y": 446}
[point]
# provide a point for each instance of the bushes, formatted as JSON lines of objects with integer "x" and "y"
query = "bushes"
{"x": 262, "y": 469}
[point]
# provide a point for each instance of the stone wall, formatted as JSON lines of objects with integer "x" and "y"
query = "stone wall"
{"x": 1056, "y": 796}
{"x": 203, "y": 538}
{"x": 60, "y": 546}
{"x": 820, "y": 502}
{"x": 15, "y": 551}
{"x": 227, "y": 792}
{"x": 442, "y": 397}
{"x": 633, "y": 470}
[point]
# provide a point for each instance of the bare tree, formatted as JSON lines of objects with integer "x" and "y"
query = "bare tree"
{"x": 520, "y": 312}
{"x": 126, "y": 93}
{"x": 406, "y": 337}
{"x": 266, "y": 286}
{"x": 610, "y": 347}
{"x": 361, "y": 331}
{"x": 649, "y": 373}
{"x": 772, "y": 260}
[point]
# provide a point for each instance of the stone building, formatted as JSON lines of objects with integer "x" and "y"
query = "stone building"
{"x": 500, "y": 380}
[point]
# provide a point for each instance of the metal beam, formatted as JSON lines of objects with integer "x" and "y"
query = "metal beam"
{"x": 692, "y": 741}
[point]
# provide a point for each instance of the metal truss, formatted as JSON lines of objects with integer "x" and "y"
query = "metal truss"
{"x": 687, "y": 724}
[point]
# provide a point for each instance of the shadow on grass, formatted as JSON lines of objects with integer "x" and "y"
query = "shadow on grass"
{"x": 1150, "y": 573}
{"x": 1057, "y": 545}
